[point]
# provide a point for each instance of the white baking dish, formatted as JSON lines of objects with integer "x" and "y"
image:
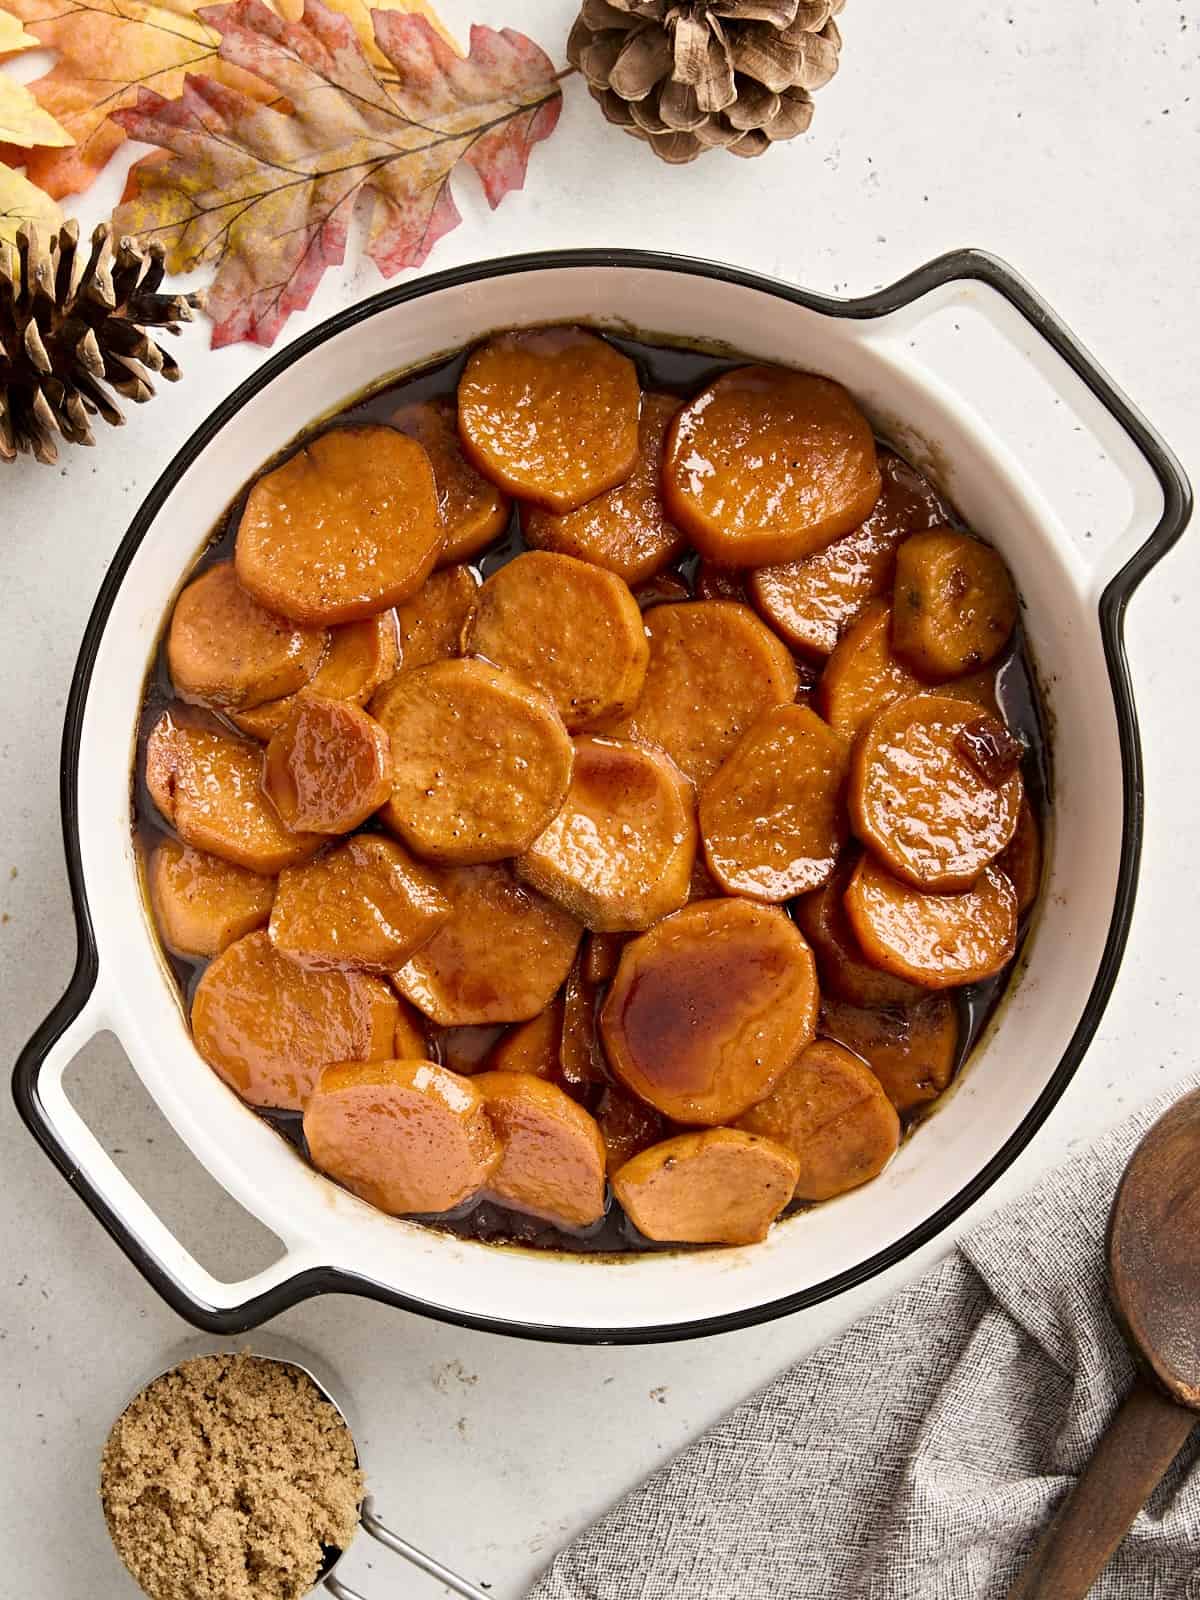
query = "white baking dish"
{"x": 1074, "y": 598}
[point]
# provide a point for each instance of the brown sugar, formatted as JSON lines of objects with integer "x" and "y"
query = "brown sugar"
{"x": 228, "y": 1478}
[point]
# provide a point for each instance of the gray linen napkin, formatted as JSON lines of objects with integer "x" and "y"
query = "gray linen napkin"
{"x": 916, "y": 1457}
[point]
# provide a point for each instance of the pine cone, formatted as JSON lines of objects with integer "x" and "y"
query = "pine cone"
{"x": 72, "y": 330}
{"x": 694, "y": 75}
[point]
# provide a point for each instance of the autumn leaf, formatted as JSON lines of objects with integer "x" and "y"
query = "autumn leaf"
{"x": 266, "y": 198}
{"x": 23, "y": 122}
{"x": 13, "y": 36}
{"x": 21, "y": 202}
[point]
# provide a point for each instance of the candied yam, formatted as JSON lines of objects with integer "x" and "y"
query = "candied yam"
{"x": 843, "y": 968}
{"x": 345, "y": 527}
{"x": 862, "y": 674}
{"x": 409, "y": 1137}
{"x": 920, "y": 803}
{"x": 625, "y": 530}
{"x": 268, "y": 1026}
{"x": 830, "y": 1111}
{"x": 662, "y": 590}
{"x": 767, "y": 465}
{"x": 703, "y": 885}
{"x": 500, "y": 957}
{"x": 550, "y": 414}
{"x": 710, "y": 1008}
{"x": 772, "y": 818}
{"x": 935, "y": 940}
{"x": 713, "y": 668}
{"x": 365, "y": 904}
{"x": 201, "y": 903}
{"x": 328, "y": 767}
{"x": 714, "y": 582}
{"x": 552, "y": 1160}
{"x": 601, "y": 952}
{"x": 581, "y": 1063}
{"x": 1021, "y": 859}
{"x": 480, "y": 761}
{"x": 954, "y": 605}
{"x": 618, "y": 856}
{"x": 433, "y": 620}
{"x": 224, "y": 649}
{"x": 474, "y": 511}
{"x": 723, "y": 1186}
{"x": 467, "y": 1050}
{"x": 409, "y": 1041}
{"x": 812, "y": 602}
{"x": 570, "y": 629}
{"x": 207, "y": 784}
{"x": 627, "y": 1126}
{"x": 532, "y": 1046}
{"x": 360, "y": 656}
{"x": 911, "y": 1049}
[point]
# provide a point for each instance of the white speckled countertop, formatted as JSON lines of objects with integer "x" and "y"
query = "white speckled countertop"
{"x": 1065, "y": 140}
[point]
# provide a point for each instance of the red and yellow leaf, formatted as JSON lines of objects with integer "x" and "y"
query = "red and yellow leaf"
{"x": 266, "y": 198}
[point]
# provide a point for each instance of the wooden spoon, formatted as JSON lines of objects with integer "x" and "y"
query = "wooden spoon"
{"x": 1154, "y": 1275}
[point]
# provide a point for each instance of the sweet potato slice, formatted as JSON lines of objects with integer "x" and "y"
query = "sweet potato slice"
{"x": 408, "y": 1137}
{"x": 935, "y": 940}
{"x": 224, "y": 649}
{"x": 618, "y": 856}
{"x": 862, "y": 674}
{"x": 432, "y": 622}
{"x": 267, "y": 1025}
{"x": 571, "y": 629}
{"x": 206, "y": 783}
{"x": 532, "y": 1046}
{"x": 474, "y": 511}
{"x": 710, "y": 1008}
{"x": 328, "y": 767}
{"x": 500, "y": 957}
{"x": 466, "y": 1050}
{"x": 831, "y": 1112}
{"x": 601, "y": 952}
{"x": 345, "y": 527}
{"x": 409, "y": 1040}
{"x": 552, "y": 1161}
{"x": 911, "y": 1049}
{"x": 627, "y": 1126}
{"x": 364, "y": 904}
{"x": 954, "y": 606}
{"x": 812, "y": 602}
{"x": 844, "y": 970}
{"x": 772, "y": 818}
{"x": 201, "y": 903}
{"x": 550, "y": 414}
{"x": 768, "y": 465}
{"x": 724, "y": 1186}
{"x": 581, "y": 1063}
{"x": 625, "y": 530}
{"x": 480, "y": 761}
{"x": 1021, "y": 860}
{"x": 715, "y": 582}
{"x": 662, "y": 590}
{"x": 713, "y": 668}
{"x": 920, "y": 802}
{"x": 360, "y": 656}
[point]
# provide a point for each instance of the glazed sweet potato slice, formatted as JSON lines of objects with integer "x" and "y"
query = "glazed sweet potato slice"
{"x": 713, "y": 668}
{"x": 954, "y": 607}
{"x": 201, "y": 903}
{"x": 862, "y": 674}
{"x": 918, "y": 797}
{"x": 408, "y": 1137}
{"x": 532, "y": 1046}
{"x": 345, "y": 527}
{"x": 433, "y": 621}
{"x": 626, "y": 530}
{"x": 1021, "y": 860}
{"x": 831, "y": 1112}
{"x": 552, "y": 1160}
{"x": 844, "y": 970}
{"x": 550, "y": 414}
{"x": 207, "y": 784}
{"x": 627, "y": 1126}
{"x": 500, "y": 957}
{"x": 935, "y": 940}
{"x": 581, "y": 1063}
{"x": 480, "y": 761}
{"x": 811, "y": 603}
{"x": 328, "y": 767}
{"x": 360, "y": 656}
{"x": 409, "y": 1040}
{"x": 268, "y": 1026}
{"x": 724, "y": 1186}
{"x": 768, "y": 465}
{"x": 618, "y": 856}
{"x": 911, "y": 1049}
{"x": 601, "y": 953}
{"x": 474, "y": 511}
{"x": 710, "y": 1008}
{"x": 715, "y": 582}
{"x": 226, "y": 650}
{"x": 663, "y": 589}
{"x": 364, "y": 904}
{"x": 571, "y": 629}
{"x": 772, "y": 818}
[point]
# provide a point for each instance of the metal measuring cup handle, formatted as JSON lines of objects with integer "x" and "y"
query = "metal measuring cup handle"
{"x": 378, "y": 1530}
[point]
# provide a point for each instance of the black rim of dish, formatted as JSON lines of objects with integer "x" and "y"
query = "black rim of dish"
{"x": 956, "y": 266}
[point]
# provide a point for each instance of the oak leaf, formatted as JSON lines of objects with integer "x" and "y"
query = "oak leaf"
{"x": 21, "y": 202}
{"x": 265, "y": 198}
